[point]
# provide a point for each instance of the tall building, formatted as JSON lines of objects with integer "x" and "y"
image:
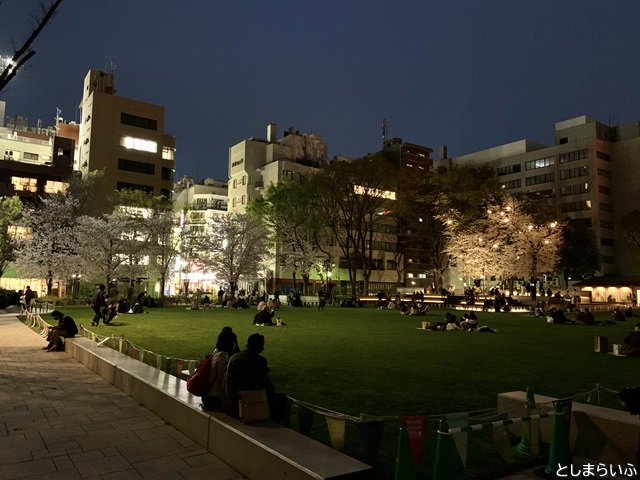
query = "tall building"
{"x": 125, "y": 138}
{"x": 255, "y": 163}
{"x": 589, "y": 173}
{"x": 409, "y": 159}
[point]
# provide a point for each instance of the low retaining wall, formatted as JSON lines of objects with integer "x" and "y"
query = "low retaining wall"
{"x": 261, "y": 451}
{"x": 596, "y": 433}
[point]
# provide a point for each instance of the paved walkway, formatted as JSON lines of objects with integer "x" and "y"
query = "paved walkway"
{"x": 60, "y": 420}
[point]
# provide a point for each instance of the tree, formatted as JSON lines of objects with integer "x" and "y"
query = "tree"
{"x": 155, "y": 231}
{"x": 426, "y": 195}
{"x": 237, "y": 248}
{"x": 107, "y": 245}
{"x": 580, "y": 256}
{"x": 22, "y": 54}
{"x": 353, "y": 199}
{"x": 506, "y": 242}
{"x": 286, "y": 212}
{"x": 10, "y": 216}
{"x": 49, "y": 251}
{"x": 164, "y": 244}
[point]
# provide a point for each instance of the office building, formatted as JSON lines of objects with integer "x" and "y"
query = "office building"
{"x": 589, "y": 173}
{"x": 124, "y": 138}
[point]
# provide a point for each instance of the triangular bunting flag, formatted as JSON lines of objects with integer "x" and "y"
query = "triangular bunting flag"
{"x": 415, "y": 428}
{"x": 371, "y": 433}
{"x": 305, "y": 420}
{"x": 459, "y": 420}
{"x": 336, "y": 428}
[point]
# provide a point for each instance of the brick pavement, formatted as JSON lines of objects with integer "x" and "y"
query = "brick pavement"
{"x": 60, "y": 420}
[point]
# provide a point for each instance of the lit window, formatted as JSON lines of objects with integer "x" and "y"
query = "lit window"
{"x": 55, "y": 187}
{"x": 139, "y": 144}
{"x": 24, "y": 184}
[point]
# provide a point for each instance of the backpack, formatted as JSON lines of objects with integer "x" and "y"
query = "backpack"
{"x": 198, "y": 382}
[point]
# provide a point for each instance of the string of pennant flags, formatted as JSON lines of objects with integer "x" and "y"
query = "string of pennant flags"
{"x": 369, "y": 427}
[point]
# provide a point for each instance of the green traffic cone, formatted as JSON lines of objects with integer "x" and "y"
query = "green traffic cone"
{"x": 448, "y": 462}
{"x": 404, "y": 461}
{"x": 523, "y": 449}
{"x": 559, "y": 450}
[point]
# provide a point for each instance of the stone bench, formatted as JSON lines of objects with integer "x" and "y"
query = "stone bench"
{"x": 265, "y": 450}
{"x": 596, "y": 433}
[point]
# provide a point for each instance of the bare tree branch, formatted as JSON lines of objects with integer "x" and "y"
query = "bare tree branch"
{"x": 24, "y": 53}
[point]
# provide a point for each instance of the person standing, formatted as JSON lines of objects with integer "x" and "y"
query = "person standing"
{"x": 66, "y": 328}
{"x": 98, "y": 303}
{"x": 322, "y": 299}
{"x": 28, "y": 298}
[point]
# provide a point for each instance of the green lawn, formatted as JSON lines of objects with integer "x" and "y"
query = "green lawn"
{"x": 376, "y": 362}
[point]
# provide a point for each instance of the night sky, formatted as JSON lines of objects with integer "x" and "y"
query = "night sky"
{"x": 469, "y": 74}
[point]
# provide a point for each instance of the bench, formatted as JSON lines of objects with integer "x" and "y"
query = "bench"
{"x": 596, "y": 433}
{"x": 275, "y": 452}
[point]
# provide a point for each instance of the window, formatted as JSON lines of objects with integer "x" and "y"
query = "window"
{"x": 515, "y": 168}
{"x": 606, "y": 242}
{"x": 24, "y": 184}
{"x": 55, "y": 187}
{"x": 574, "y": 189}
{"x": 138, "y": 167}
{"x": 575, "y": 206}
{"x": 606, "y": 224}
{"x": 604, "y": 173}
{"x": 573, "y": 156}
{"x": 167, "y": 153}
{"x": 605, "y": 190}
{"x": 391, "y": 265}
{"x": 574, "y": 172}
{"x": 603, "y": 156}
{"x": 544, "y": 178}
{"x": 608, "y": 259}
{"x": 167, "y": 174}
{"x": 30, "y": 156}
{"x": 139, "y": 144}
{"x": 141, "y": 122}
{"x": 563, "y": 140}
{"x": 606, "y": 207}
{"x": 540, "y": 163}
{"x": 512, "y": 184}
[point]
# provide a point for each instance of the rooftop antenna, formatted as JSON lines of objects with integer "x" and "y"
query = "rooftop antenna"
{"x": 110, "y": 60}
{"x": 385, "y": 129}
{"x": 58, "y": 118}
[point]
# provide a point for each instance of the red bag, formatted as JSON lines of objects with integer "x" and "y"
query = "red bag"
{"x": 198, "y": 382}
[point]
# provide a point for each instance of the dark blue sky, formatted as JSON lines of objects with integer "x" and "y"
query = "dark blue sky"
{"x": 469, "y": 74}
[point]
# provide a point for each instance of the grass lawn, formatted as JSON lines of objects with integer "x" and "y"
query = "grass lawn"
{"x": 376, "y": 362}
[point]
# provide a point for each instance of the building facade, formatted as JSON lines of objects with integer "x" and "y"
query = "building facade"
{"x": 124, "y": 138}
{"x": 197, "y": 206}
{"x": 588, "y": 173}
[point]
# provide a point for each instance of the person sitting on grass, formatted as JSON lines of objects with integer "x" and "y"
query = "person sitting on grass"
{"x": 617, "y": 315}
{"x": 264, "y": 315}
{"x": 66, "y": 328}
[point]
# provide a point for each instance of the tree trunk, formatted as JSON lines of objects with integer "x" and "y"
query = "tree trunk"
{"x": 305, "y": 287}
{"x": 294, "y": 281}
